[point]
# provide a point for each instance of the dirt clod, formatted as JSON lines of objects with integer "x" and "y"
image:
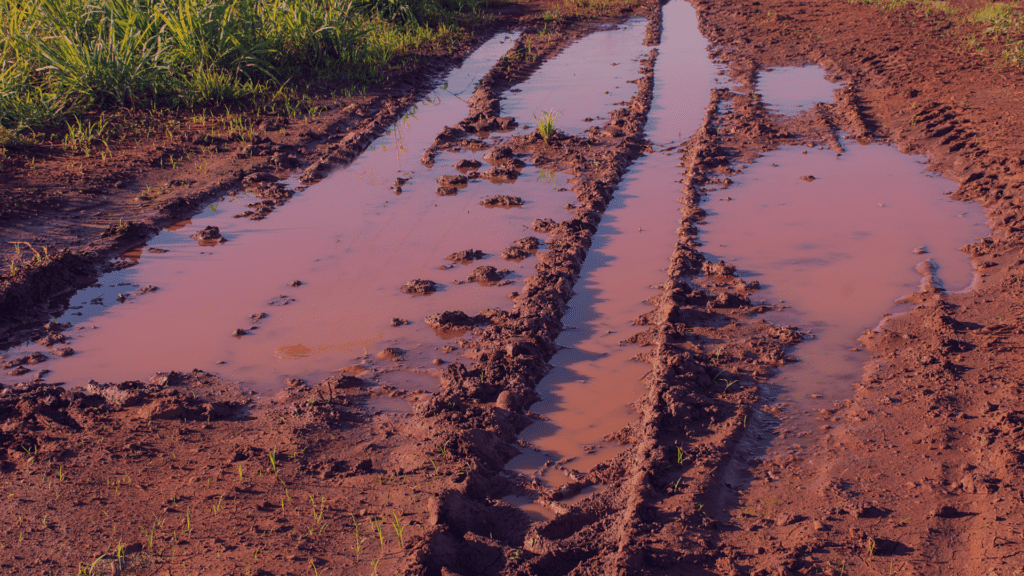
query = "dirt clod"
{"x": 419, "y": 287}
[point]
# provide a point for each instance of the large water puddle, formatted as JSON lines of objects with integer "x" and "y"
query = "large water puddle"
{"x": 790, "y": 90}
{"x": 839, "y": 240}
{"x": 587, "y": 80}
{"x": 314, "y": 288}
{"x": 594, "y": 380}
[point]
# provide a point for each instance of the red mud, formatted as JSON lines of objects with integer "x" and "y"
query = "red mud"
{"x": 918, "y": 471}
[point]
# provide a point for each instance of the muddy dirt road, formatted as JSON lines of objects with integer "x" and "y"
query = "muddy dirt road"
{"x": 753, "y": 308}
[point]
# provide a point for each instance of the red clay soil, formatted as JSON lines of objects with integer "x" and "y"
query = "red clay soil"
{"x": 918, "y": 472}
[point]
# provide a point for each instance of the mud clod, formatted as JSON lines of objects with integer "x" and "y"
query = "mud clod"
{"x": 502, "y": 201}
{"x": 543, "y": 225}
{"x": 498, "y": 175}
{"x": 457, "y": 181}
{"x": 465, "y": 256}
{"x": 419, "y": 287}
{"x": 487, "y": 275}
{"x": 465, "y": 165}
{"x": 391, "y": 353}
{"x": 209, "y": 236}
{"x": 522, "y": 248}
{"x": 451, "y": 320}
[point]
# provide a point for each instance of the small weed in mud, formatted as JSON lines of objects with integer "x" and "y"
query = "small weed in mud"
{"x": 841, "y": 566}
{"x": 312, "y": 564}
{"x": 546, "y": 124}
{"x": 871, "y": 547}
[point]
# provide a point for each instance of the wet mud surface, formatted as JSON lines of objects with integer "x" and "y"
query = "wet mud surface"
{"x": 398, "y": 454}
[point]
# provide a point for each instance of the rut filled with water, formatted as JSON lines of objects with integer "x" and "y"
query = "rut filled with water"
{"x": 594, "y": 379}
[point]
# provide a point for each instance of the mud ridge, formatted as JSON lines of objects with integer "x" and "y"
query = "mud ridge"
{"x": 513, "y": 351}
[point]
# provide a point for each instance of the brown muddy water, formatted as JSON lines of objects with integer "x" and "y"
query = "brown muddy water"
{"x": 838, "y": 251}
{"x": 594, "y": 380}
{"x": 790, "y": 90}
{"x": 584, "y": 83}
{"x": 315, "y": 286}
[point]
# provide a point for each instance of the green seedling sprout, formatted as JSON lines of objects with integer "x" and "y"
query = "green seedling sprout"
{"x": 318, "y": 513}
{"x": 396, "y": 522}
{"x": 273, "y": 460}
{"x": 359, "y": 541}
{"x": 378, "y": 525}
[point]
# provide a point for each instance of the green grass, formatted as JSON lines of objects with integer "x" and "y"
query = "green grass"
{"x": 546, "y": 124}
{"x": 63, "y": 57}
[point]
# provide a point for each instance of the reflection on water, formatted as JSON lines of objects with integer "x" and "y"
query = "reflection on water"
{"x": 838, "y": 249}
{"x": 235, "y": 309}
{"x": 793, "y": 89}
{"x": 594, "y": 380}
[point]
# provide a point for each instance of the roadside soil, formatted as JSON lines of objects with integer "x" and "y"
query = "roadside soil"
{"x": 918, "y": 472}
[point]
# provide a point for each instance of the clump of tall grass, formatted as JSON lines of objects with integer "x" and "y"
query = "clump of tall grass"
{"x": 65, "y": 56}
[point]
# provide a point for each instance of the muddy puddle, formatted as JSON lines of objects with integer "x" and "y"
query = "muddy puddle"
{"x": 315, "y": 287}
{"x": 838, "y": 240}
{"x": 594, "y": 379}
{"x": 790, "y": 90}
{"x": 584, "y": 83}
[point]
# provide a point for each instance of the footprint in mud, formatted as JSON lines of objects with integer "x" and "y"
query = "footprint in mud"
{"x": 502, "y": 201}
{"x": 419, "y": 287}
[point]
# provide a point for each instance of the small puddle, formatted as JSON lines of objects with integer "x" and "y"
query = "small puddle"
{"x": 588, "y": 79}
{"x": 349, "y": 241}
{"x": 790, "y": 90}
{"x": 594, "y": 380}
{"x": 838, "y": 250}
